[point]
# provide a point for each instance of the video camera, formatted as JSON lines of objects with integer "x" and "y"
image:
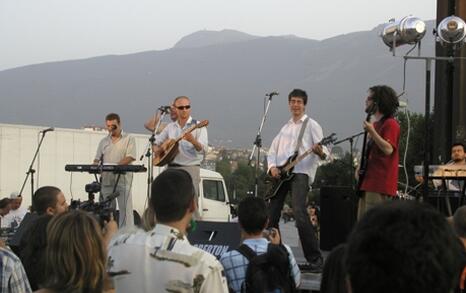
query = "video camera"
{"x": 100, "y": 210}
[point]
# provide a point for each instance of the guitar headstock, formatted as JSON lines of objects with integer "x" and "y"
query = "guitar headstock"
{"x": 328, "y": 139}
{"x": 203, "y": 123}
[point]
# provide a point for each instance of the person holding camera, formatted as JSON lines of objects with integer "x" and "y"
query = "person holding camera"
{"x": 259, "y": 243}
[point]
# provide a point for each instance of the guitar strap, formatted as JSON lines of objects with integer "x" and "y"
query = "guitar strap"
{"x": 299, "y": 142}
{"x": 193, "y": 122}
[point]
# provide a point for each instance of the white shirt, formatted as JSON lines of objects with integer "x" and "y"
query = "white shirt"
{"x": 13, "y": 218}
{"x": 163, "y": 260}
{"x": 187, "y": 156}
{"x": 284, "y": 145}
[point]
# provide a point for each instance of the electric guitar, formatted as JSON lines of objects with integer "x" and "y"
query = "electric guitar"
{"x": 364, "y": 155}
{"x": 169, "y": 148}
{"x": 287, "y": 168}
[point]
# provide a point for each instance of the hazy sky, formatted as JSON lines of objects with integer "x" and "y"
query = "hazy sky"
{"x": 36, "y": 31}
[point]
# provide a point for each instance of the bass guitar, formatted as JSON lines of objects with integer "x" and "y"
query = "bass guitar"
{"x": 364, "y": 155}
{"x": 286, "y": 170}
{"x": 169, "y": 148}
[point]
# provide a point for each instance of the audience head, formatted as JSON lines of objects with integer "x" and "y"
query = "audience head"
{"x": 75, "y": 254}
{"x": 50, "y": 200}
{"x": 5, "y": 206}
{"x": 172, "y": 196}
{"x": 334, "y": 273}
{"x": 403, "y": 247}
{"x": 252, "y": 215}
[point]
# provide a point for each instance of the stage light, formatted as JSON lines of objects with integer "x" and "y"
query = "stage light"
{"x": 451, "y": 30}
{"x": 408, "y": 30}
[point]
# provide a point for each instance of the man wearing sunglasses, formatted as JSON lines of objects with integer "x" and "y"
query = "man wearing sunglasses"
{"x": 192, "y": 147}
{"x": 117, "y": 148}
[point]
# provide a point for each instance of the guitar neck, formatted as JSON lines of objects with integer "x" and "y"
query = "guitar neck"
{"x": 297, "y": 160}
{"x": 190, "y": 129}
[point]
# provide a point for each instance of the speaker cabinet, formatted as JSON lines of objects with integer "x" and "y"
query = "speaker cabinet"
{"x": 338, "y": 205}
{"x": 216, "y": 237}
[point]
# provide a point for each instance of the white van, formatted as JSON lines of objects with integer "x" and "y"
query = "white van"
{"x": 213, "y": 202}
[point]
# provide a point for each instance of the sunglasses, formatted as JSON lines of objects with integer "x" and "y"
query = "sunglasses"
{"x": 184, "y": 107}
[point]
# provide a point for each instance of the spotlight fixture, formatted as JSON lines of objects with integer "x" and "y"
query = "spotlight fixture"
{"x": 451, "y": 30}
{"x": 408, "y": 30}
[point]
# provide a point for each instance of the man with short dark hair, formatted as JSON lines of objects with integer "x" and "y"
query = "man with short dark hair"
{"x": 117, "y": 148}
{"x": 403, "y": 247}
{"x": 288, "y": 141}
{"x": 45, "y": 200}
{"x": 253, "y": 219}
{"x": 49, "y": 200}
{"x": 162, "y": 260}
{"x": 380, "y": 180}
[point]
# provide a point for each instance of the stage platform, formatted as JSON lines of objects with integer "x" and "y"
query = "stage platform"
{"x": 309, "y": 281}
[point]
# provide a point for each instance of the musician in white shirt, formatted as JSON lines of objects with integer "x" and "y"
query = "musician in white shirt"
{"x": 117, "y": 148}
{"x": 192, "y": 147}
{"x": 283, "y": 146}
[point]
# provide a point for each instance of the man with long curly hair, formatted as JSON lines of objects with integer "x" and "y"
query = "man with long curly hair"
{"x": 381, "y": 173}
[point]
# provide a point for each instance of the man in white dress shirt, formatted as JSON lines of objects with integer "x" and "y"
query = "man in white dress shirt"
{"x": 192, "y": 147}
{"x": 283, "y": 146}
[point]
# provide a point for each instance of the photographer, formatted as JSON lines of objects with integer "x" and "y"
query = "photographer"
{"x": 252, "y": 217}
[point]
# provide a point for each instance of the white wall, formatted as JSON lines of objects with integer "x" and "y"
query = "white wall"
{"x": 60, "y": 147}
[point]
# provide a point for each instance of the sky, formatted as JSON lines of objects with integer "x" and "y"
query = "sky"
{"x": 38, "y": 31}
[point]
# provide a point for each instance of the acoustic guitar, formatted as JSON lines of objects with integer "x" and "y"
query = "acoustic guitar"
{"x": 169, "y": 148}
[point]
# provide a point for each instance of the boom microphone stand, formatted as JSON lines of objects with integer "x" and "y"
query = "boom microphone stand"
{"x": 258, "y": 143}
{"x": 31, "y": 171}
{"x": 351, "y": 141}
{"x": 150, "y": 167}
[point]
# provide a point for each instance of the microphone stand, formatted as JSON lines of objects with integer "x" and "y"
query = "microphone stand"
{"x": 351, "y": 141}
{"x": 148, "y": 154}
{"x": 31, "y": 171}
{"x": 258, "y": 144}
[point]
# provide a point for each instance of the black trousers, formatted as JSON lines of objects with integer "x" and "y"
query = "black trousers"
{"x": 299, "y": 187}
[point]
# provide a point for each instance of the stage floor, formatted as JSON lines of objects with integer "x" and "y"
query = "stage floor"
{"x": 309, "y": 281}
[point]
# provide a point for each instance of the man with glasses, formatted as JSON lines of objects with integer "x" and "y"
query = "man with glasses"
{"x": 117, "y": 148}
{"x": 192, "y": 147}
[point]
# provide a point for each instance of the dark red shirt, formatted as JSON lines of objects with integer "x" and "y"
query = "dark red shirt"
{"x": 382, "y": 170}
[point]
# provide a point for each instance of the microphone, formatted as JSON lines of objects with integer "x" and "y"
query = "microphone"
{"x": 165, "y": 109}
{"x": 274, "y": 93}
{"x": 402, "y": 104}
{"x": 47, "y": 130}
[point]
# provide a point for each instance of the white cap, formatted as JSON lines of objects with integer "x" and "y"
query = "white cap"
{"x": 14, "y": 194}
